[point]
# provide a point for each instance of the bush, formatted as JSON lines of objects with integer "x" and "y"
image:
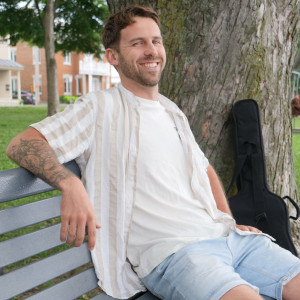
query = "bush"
{"x": 66, "y": 99}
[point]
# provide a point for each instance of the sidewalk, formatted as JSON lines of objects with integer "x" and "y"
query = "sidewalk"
{"x": 9, "y": 102}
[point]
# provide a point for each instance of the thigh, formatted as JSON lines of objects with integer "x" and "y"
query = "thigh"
{"x": 263, "y": 263}
{"x": 202, "y": 270}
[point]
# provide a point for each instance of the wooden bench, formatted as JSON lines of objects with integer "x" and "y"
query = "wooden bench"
{"x": 56, "y": 269}
{"x": 69, "y": 272}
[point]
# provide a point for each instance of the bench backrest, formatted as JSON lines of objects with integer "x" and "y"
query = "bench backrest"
{"x": 35, "y": 262}
{"x": 16, "y": 251}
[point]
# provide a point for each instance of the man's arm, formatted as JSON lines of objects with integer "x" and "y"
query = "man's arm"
{"x": 31, "y": 150}
{"x": 220, "y": 198}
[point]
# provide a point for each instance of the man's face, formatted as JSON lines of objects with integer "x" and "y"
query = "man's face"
{"x": 141, "y": 55}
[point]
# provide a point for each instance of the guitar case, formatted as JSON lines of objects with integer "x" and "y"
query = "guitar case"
{"x": 254, "y": 204}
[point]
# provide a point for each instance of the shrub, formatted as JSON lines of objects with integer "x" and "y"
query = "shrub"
{"x": 66, "y": 99}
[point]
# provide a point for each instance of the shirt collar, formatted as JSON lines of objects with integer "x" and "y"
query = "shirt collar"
{"x": 164, "y": 101}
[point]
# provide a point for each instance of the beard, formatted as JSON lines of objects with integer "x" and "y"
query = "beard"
{"x": 147, "y": 78}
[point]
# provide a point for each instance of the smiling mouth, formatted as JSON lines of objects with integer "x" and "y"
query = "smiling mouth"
{"x": 150, "y": 64}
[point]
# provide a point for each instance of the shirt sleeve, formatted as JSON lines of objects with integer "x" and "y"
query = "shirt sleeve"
{"x": 70, "y": 133}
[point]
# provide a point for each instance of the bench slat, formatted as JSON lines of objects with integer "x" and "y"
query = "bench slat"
{"x": 19, "y": 183}
{"x": 25, "y": 184}
{"x": 28, "y": 214}
{"x": 18, "y": 281}
{"x": 70, "y": 288}
{"x": 104, "y": 296}
{"x": 30, "y": 244}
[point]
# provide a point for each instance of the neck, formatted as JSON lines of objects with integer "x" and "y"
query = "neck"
{"x": 146, "y": 92}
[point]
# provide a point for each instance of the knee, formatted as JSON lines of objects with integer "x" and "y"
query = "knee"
{"x": 242, "y": 292}
{"x": 291, "y": 290}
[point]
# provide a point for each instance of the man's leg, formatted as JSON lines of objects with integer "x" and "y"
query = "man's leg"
{"x": 241, "y": 292}
{"x": 201, "y": 270}
{"x": 291, "y": 291}
{"x": 274, "y": 270}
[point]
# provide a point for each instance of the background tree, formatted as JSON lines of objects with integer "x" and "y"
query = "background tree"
{"x": 57, "y": 25}
{"x": 223, "y": 51}
{"x": 297, "y": 57}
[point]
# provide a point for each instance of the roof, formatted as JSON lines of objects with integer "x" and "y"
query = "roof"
{"x": 6, "y": 64}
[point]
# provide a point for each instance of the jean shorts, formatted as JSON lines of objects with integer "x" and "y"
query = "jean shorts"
{"x": 208, "y": 269}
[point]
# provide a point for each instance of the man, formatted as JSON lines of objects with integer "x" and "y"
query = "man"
{"x": 160, "y": 204}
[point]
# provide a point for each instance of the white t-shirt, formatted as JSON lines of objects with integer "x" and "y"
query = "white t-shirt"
{"x": 166, "y": 215}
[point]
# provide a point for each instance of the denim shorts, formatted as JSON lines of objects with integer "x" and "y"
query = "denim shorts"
{"x": 208, "y": 269}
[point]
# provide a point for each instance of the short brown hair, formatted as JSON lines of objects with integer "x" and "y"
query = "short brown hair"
{"x": 123, "y": 18}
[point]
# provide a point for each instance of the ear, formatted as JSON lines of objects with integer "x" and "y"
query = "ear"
{"x": 112, "y": 56}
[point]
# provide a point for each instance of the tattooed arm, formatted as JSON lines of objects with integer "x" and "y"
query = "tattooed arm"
{"x": 31, "y": 150}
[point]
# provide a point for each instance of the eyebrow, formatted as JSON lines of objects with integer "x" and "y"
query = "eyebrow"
{"x": 142, "y": 38}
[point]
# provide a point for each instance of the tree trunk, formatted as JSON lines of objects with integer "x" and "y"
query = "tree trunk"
{"x": 219, "y": 52}
{"x": 52, "y": 88}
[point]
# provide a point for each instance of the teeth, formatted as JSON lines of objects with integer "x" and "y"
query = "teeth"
{"x": 151, "y": 65}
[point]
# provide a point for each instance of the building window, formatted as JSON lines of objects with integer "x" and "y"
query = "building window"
{"x": 14, "y": 87}
{"x": 78, "y": 85}
{"x": 68, "y": 84}
{"x": 13, "y": 54}
{"x": 36, "y": 55}
{"x": 67, "y": 58}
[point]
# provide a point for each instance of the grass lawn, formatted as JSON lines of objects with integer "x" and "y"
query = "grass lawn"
{"x": 13, "y": 120}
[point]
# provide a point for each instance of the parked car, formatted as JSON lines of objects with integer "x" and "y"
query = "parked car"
{"x": 27, "y": 97}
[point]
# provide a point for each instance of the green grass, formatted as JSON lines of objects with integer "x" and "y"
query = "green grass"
{"x": 14, "y": 120}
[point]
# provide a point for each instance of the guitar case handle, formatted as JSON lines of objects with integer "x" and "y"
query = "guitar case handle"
{"x": 295, "y": 206}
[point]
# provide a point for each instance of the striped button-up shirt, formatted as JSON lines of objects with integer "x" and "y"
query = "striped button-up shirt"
{"x": 101, "y": 132}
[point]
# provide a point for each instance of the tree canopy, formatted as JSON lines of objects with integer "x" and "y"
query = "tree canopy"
{"x": 77, "y": 23}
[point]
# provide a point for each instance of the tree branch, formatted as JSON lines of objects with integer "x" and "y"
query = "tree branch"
{"x": 39, "y": 12}
{"x": 56, "y": 3}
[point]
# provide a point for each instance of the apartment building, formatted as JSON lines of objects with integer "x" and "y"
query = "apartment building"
{"x": 77, "y": 74}
{"x": 8, "y": 66}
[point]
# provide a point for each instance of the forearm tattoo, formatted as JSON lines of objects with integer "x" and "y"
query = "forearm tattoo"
{"x": 36, "y": 156}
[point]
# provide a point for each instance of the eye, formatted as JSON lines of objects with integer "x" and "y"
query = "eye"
{"x": 157, "y": 42}
{"x": 137, "y": 43}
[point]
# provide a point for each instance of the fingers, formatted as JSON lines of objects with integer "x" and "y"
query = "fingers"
{"x": 64, "y": 229}
{"x": 73, "y": 231}
{"x": 248, "y": 228}
{"x": 77, "y": 213}
{"x": 91, "y": 229}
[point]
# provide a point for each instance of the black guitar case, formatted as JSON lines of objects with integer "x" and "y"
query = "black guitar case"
{"x": 254, "y": 204}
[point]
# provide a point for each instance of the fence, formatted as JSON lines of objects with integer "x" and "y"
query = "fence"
{"x": 295, "y": 84}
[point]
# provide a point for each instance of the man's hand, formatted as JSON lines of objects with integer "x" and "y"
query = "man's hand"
{"x": 31, "y": 150}
{"x": 77, "y": 213}
{"x": 248, "y": 228}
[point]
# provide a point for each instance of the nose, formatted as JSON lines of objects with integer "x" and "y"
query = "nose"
{"x": 151, "y": 50}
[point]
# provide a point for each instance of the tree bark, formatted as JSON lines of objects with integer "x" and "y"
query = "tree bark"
{"x": 219, "y": 52}
{"x": 52, "y": 88}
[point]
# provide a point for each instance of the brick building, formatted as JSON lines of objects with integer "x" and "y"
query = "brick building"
{"x": 77, "y": 74}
